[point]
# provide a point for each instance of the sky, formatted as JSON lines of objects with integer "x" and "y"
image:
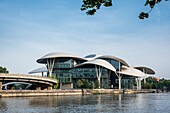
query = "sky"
{"x": 30, "y": 29}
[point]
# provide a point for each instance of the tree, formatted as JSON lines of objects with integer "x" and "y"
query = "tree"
{"x": 56, "y": 85}
{"x": 154, "y": 83}
{"x": 3, "y": 70}
{"x": 79, "y": 83}
{"x": 93, "y": 5}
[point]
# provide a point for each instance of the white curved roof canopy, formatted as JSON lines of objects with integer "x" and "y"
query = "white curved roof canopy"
{"x": 113, "y": 58}
{"x": 92, "y": 56}
{"x": 131, "y": 71}
{"x": 145, "y": 70}
{"x": 58, "y": 55}
{"x": 38, "y": 70}
{"x": 98, "y": 62}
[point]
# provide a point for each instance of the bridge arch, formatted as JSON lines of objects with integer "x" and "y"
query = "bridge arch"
{"x": 4, "y": 86}
{"x": 38, "y": 82}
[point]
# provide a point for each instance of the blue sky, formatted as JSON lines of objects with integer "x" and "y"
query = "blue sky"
{"x": 29, "y": 29}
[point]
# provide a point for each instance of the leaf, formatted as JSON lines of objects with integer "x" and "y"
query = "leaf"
{"x": 158, "y": 1}
{"x": 91, "y": 12}
{"x": 152, "y": 3}
{"x": 147, "y": 2}
{"x": 143, "y": 15}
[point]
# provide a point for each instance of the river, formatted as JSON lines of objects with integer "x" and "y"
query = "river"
{"x": 120, "y": 103}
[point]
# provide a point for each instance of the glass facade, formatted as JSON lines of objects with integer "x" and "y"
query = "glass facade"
{"x": 65, "y": 72}
{"x": 65, "y": 75}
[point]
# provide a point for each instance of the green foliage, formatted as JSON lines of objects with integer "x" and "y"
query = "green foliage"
{"x": 152, "y": 83}
{"x": 51, "y": 77}
{"x": 164, "y": 84}
{"x": 147, "y": 86}
{"x": 151, "y": 3}
{"x": 84, "y": 83}
{"x": 143, "y": 15}
{"x": 12, "y": 88}
{"x": 92, "y": 85}
{"x": 3, "y": 70}
{"x": 79, "y": 83}
{"x": 93, "y": 5}
{"x": 56, "y": 85}
{"x": 151, "y": 80}
{"x": 97, "y": 84}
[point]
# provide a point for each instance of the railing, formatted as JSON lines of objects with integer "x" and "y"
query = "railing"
{"x": 24, "y": 76}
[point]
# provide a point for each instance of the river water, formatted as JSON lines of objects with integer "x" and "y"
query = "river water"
{"x": 120, "y": 103}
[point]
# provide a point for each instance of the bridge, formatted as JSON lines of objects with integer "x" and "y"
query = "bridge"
{"x": 37, "y": 81}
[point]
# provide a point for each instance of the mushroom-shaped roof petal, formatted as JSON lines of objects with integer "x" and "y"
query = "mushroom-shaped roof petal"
{"x": 92, "y": 56}
{"x": 113, "y": 58}
{"x": 58, "y": 55}
{"x": 98, "y": 62}
{"x": 39, "y": 70}
{"x": 145, "y": 69}
{"x": 131, "y": 71}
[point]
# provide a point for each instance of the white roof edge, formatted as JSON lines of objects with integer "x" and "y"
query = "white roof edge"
{"x": 59, "y": 55}
{"x": 131, "y": 71}
{"x": 115, "y": 58}
{"x": 38, "y": 70}
{"x": 99, "y": 62}
{"x": 146, "y": 69}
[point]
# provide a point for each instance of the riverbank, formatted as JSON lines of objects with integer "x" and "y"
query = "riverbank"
{"x": 24, "y": 93}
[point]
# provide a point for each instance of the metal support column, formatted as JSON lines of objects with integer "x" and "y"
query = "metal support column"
{"x": 98, "y": 73}
{"x": 139, "y": 84}
{"x": 50, "y": 65}
{"x": 119, "y": 78}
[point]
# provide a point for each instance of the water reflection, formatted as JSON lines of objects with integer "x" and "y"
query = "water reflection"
{"x": 129, "y": 103}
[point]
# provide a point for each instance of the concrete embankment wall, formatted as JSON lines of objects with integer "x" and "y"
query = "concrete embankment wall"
{"x": 23, "y": 93}
{"x": 103, "y": 91}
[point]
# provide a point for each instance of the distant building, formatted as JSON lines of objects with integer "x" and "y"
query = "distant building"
{"x": 106, "y": 70}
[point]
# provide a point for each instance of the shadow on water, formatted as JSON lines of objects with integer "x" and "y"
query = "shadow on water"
{"x": 123, "y": 103}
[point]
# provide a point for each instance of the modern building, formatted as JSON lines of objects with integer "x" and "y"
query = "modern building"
{"x": 100, "y": 71}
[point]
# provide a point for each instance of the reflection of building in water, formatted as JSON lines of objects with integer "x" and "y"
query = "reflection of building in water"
{"x": 92, "y": 71}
